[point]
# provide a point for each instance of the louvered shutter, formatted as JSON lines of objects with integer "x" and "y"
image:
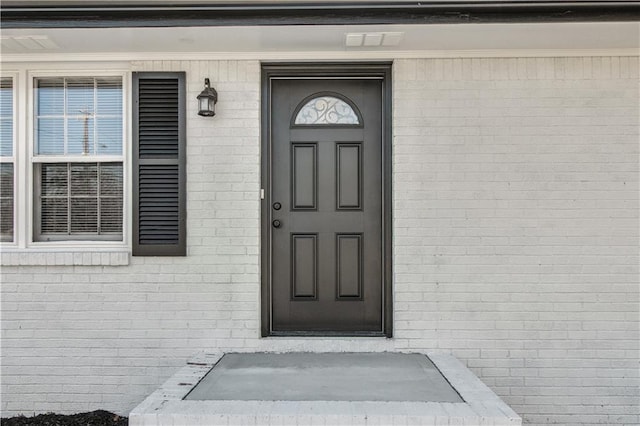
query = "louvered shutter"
{"x": 159, "y": 162}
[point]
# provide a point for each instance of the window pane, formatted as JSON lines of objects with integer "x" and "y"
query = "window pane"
{"x": 109, "y": 122}
{"x": 54, "y": 200}
{"x": 54, "y": 180}
{"x": 80, "y": 93}
{"x": 50, "y": 96}
{"x": 81, "y": 200}
{"x": 6, "y": 202}
{"x": 6, "y": 97}
{"x": 84, "y": 179}
{"x": 6, "y": 137}
{"x": 49, "y": 122}
{"x": 110, "y": 136}
{"x": 80, "y": 135}
{"x": 50, "y": 136}
{"x": 6, "y": 117}
{"x": 109, "y": 96}
{"x": 111, "y": 198}
{"x": 111, "y": 180}
{"x": 84, "y": 215}
{"x": 79, "y": 115}
{"x": 54, "y": 214}
{"x": 111, "y": 215}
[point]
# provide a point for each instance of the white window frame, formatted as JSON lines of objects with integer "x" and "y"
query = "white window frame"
{"x": 24, "y": 249}
{"x": 124, "y": 158}
{"x": 14, "y": 76}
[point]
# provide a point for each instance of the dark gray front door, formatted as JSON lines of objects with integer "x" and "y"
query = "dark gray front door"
{"x": 326, "y": 207}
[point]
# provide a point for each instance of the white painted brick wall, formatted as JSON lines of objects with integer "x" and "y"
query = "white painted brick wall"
{"x": 516, "y": 227}
{"x": 76, "y": 338}
{"x": 515, "y": 247}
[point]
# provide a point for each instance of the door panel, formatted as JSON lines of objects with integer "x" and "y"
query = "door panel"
{"x": 349, "y": 266}
{"x": 304, "y": 175}
{"x": 326, "y": 234}
{"x": 348, "y": 176}
{"x": 304, "y": 266}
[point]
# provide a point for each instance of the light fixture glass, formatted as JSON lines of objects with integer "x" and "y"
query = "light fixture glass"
{"x": 207, "y": 100}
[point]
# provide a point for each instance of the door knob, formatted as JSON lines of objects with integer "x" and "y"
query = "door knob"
{"x": 276, "y": 223}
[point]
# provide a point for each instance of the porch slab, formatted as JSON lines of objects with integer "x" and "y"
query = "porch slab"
{"x": 325, "y": 389}
{"x": 324, "y": 377}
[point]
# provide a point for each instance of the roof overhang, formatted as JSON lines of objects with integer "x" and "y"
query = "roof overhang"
{"x": 91, "y": 30}
{"x": 100, "y": 14}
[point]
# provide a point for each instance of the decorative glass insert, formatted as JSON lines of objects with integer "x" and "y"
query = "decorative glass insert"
{"x": 326, "y": 110}
{"x": 78, "y": 116}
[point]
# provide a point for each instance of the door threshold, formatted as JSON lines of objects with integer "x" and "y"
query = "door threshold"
{"x": 327, "y": 334}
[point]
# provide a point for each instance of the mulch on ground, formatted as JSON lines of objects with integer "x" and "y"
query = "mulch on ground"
{"x": 93, "y": 418}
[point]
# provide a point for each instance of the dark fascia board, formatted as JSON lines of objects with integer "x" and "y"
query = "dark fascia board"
{"x": 107, "y": 15}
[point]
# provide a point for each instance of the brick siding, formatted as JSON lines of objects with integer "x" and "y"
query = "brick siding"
{"x": 516, "y": 227}
{"x": 515, "y": 247}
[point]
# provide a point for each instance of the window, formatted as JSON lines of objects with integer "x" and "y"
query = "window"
{"x": 65, "y": 179}
{"x": 6, "y": 159}
{"x": 78, "y": 158}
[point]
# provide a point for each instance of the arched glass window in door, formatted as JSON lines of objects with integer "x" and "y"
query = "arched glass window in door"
{"x": 322, "y": 109}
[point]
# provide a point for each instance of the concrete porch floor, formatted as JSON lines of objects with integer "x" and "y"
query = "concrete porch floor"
{"x": 325, "y": 377}
{"x": 323, "y": 389}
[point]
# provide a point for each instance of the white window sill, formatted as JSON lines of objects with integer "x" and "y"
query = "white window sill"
{"x": 66, "y": 257}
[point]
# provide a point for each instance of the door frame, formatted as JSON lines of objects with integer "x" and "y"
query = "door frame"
{"x": 336, "y": 70}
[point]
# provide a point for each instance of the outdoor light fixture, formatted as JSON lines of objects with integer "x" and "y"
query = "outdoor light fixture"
{"x": 207, "y": 100}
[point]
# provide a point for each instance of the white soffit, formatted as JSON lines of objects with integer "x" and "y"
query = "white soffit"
{"x": 367, "y": 41}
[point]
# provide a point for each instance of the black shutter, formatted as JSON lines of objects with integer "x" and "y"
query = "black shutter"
{"x": 159, "y": 164}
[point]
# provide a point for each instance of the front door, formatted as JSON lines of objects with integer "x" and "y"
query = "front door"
{"x": 325, "y": 206}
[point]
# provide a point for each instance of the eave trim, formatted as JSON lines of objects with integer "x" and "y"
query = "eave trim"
{"x": 322, "y": 13}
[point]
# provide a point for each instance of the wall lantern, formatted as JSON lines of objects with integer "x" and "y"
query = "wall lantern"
{"x": 207, "y": 100}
